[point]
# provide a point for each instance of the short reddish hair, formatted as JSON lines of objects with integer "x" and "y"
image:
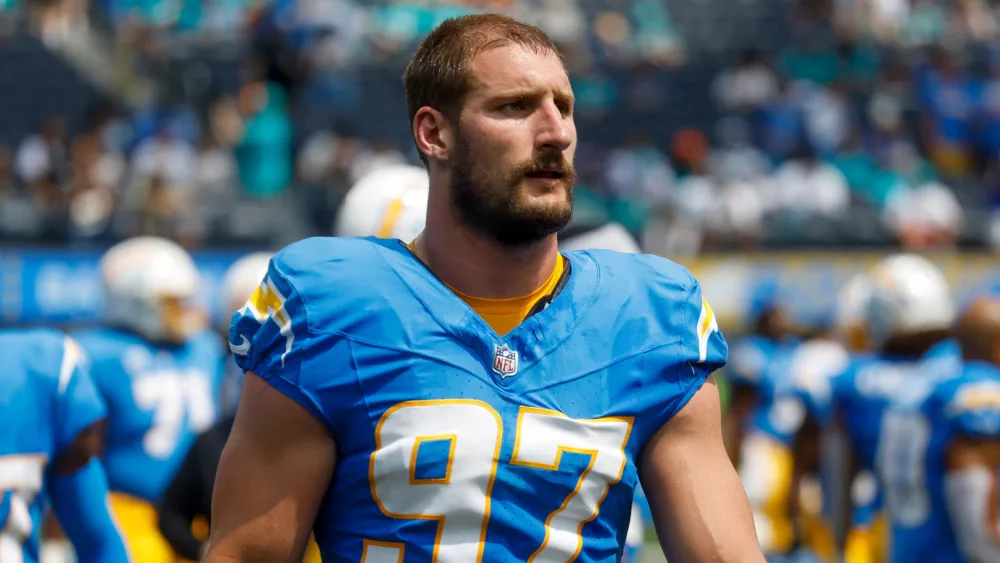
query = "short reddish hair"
{"x": 438, "y": 74}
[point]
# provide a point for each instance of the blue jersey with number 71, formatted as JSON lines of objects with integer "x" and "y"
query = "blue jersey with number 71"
{"x": 456, "y": 445}
{"x": 159, "y": 398}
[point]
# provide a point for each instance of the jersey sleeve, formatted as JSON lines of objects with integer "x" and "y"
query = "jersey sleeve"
{"x": 701, "y": 348}
{"x": 272, "y": 336}
{"x": 974, "y": 410}
{"x": 78, "y": 404}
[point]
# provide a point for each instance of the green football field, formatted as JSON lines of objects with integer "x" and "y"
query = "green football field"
{"x": 652, "y": 554}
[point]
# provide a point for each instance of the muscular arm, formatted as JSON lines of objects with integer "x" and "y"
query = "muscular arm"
{"x": 971, "y": 491}
{"x": 699, "y": 507}
{"x": 79, "y": 491}
{"x": 273, "y": 474}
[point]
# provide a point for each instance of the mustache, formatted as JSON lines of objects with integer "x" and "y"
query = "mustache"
{"x": 548, "y": 163}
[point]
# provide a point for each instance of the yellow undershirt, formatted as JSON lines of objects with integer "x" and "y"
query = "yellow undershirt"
{"x": 503, "y": 315}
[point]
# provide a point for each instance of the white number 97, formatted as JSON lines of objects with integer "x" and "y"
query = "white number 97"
{"x": 459, "y": 497}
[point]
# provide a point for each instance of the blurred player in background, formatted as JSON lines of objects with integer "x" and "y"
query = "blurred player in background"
{"x": 50, "y": 414}
{"x": 779, "y": 461}
{"x": 750, "y": 359}
{"x": 185, "y": 507}
{"x": 938, "y": 463}
{"x": 160, "y": 374}
{"x": 477, "y": 395}
{"x": 909, "y": 316}
{"x": 389, "y": 202}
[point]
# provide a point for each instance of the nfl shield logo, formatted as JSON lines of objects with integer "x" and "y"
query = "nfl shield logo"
{"x": 504, "y": 360}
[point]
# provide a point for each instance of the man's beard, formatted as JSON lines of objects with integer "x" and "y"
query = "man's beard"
{"x": 493, "y": 203}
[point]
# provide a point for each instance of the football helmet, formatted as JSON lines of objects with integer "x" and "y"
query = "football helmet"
{"x": 389, "y": 202}
{"x": 149, "y": 286}
{"x": 850, "y": 310}
{"x": 909, "y": 294}
{"x": 239, "y": 283}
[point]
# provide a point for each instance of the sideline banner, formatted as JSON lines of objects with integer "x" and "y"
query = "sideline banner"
{"x": 62, "y": 286}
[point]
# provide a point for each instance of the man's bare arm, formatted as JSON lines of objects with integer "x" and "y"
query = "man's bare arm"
{"x": 273, "y": 474}
{"x": 699, "y": 507}
{"x": 972, "y": 498}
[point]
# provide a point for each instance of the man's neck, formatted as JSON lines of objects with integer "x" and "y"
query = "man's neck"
{"x": 474, "y": 265}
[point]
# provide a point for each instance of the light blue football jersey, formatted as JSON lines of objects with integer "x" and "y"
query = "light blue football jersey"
{"x": 912, "y": 461}
{"x": 46, "y": 400}
{"x": 864, "y": 391}
{"x": 795, "y": 385}
{"x": 863, "y": 394}
{"x": 751, "y": 356}
{"x": 782, "y": 406}
{"x": 159, "y": 399}
{"x": 456, "y": 444}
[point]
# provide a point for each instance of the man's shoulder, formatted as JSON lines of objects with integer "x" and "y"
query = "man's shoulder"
{"x": 646, "y": 272}
{"x": 35, "y": 355}
{"x": 328, "y": 285}
{"x": 972, "y": 400}
{"x": 320, "y": 261}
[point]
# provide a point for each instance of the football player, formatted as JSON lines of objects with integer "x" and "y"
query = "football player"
{"x": 183, "y": 509}
{"x": 160, "y": 375}
{"x": 779, "y": 461}
{"x": 50, "y": 413}
{"x": 909, "y": 315}
{"x": 477, "y": 395}
{"x": 750, "y": 359}
{"x": 938, "y": 462}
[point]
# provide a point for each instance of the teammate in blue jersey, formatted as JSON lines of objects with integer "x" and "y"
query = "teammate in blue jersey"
{"x": 939, "y": 462}
{"x": 160, "y": 375}
{"x": 393, "y": 406}
{"x": 780, "y": 454}
{"x": 748, "y": 363}
{"x": 50, "y": 414}
{"x": 910, "y": 312}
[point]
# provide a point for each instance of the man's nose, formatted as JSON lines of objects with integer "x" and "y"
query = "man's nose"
{"x": 555, "y": 129}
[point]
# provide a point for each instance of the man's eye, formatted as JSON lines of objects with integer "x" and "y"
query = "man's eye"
{"x": 513, "y": 106}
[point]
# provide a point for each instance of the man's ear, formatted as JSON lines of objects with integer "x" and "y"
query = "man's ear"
{"x": 433, "y": 133}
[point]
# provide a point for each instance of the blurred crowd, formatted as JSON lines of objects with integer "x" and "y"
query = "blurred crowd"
{"x": 855, "y": 123}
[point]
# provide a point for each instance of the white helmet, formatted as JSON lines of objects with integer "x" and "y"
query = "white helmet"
{"x": 851, "y": 309}
{"x": 909, "y": 294}
{"x": 242, "y": 278}
{"x": 149, "y": 286}
{"x": 389, "y": 202}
